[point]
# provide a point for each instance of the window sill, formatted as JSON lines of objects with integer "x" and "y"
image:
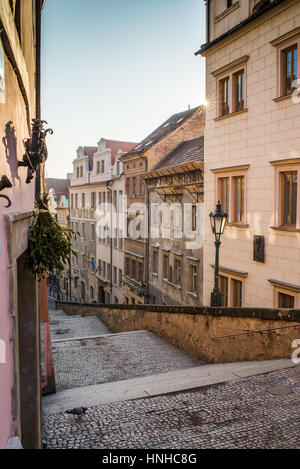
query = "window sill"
{"x": 238, "y": 225}
{"x": 285, "y": 228}
{"x": 192, "y": 294}
{"x": 174, "y": 285}
{"x": 282, "y": 98}
{"x": 235, "y": 113}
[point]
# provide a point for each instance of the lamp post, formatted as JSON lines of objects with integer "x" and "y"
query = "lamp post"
{"x": 218, "y": 220}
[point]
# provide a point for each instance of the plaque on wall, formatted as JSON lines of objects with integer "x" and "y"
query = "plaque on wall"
{"x": 2, "y": 74}
{"x": 259, "y": 248}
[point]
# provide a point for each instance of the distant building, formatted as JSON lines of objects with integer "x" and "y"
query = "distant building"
{"x": 175, "y": 267}
{"x": 96, "y": 182}
{"x": 142, "y": 158}
{"x": 252, "y": 150}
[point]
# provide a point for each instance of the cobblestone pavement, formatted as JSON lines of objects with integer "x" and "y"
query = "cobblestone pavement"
{"x": 66, "y": 327}
{"x": 115, "y": 358}
{"x": 257, "y": 412}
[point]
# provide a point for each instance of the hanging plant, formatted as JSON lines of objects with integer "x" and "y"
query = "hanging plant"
{"x": 49, "y": 243}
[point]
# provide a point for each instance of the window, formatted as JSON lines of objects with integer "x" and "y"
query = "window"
{"x": 289, "y": 69}
{"x": 289, "y": 198}
{"x": 223, "y": 285}
{"x": 81, "y": 171}
{"x": 142, "y": 187}
{"x": 165, "y": 266}
{"x": 118, "y": 167}
{"x": 133, "y": 268}
{"x": 72, "y": 201}
{"x": 76, "y": 282}
{"x": 102, "y": 166}
{"x": 239, "y": 88}
{"x": 285, "y": 301}
{"x": 104, "y": 269}
{"x": 127, "y": 266}
{"x": 224, "y": 193}
{"x": 155, "y": 262}
{"x": 229, "y": 3}
{"x": 92, "y": 232}
{"x": 224, "y": 95}
{"x": 77, "y": 172}
{"x": 128, "y": 186}
{"x": 108, "y": 272}
{"x": 115, "y": 276}
{"x": 120, "y": 278}
{"x": 193, "y": 278}
{"x": 134, "y": 186}
{"x": 238, "y": 188}
{"x": 194, "y": 217}
{"x": 83, "y": 230}
{"x": 98, "y": 167}
{"x": 76, "y": 200}
{"x": 91, "y": 292}
{"x": 177, "y": 271}
{"x": 141, "y": 272}
{"x": 236, "y": 293}
{"x": 82, "y": 200}
{"x": 170, "y": 277}
{"x": 93, "y": 199}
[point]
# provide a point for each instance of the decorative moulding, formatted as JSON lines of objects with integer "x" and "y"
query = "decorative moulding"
{"x": 227, "y": 11}
{"x": 227, "y": 169}
{"x": 285, "y": 37}
{"x": 228, "y": 270}
{"x": 285, "y": 162}
{"x": 286, "y": 286}
{"x": 231, "y": 65}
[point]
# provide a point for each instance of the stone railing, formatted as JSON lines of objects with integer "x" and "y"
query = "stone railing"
{"x": 200, "y": 331}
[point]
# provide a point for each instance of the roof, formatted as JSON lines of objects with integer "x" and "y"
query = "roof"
{"x": 60, "y": 186}
{"x": 191, "y": 150}
{"x": 164, "y": 129}
{"x": 116, "y": 145}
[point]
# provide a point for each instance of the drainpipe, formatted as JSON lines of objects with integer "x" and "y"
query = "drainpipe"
{"x": 147, "y": 253}
{"x": 111, "y": 239}
{"x": 208, "y": 21}
{"x": 38, "y": 20}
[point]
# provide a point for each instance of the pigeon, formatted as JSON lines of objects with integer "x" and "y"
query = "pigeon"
{"x": 77, "y": 411}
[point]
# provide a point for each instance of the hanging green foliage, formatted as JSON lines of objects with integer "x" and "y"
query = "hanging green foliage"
{"x": 49, "y": 243}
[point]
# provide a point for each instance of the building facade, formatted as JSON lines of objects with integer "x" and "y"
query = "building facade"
{"x": 20, "y": 389}
{"x": 252, "y": 150}
{"x": 176, "y": 194}
{"x": 96, "y": 186}
{"x": 142, "y": 158}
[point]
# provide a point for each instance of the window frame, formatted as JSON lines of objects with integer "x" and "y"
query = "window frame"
{"x": 285, "y": 166}
{"x": 228, "y": 72}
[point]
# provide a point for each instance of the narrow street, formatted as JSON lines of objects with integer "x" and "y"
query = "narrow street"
{"x": 142, "y": 392}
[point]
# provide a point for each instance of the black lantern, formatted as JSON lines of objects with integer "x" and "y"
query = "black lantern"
{"x": 218, "y": 220}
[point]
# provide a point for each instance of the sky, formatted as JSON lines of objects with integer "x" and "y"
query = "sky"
{"x": 117, "y": 69}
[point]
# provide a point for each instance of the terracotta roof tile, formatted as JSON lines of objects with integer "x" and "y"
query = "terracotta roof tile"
{"x": 191, "y": 150}
{"x": 168, "y": 126}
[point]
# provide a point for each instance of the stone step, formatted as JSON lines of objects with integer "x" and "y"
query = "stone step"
{"x": 165, "y": 383}
{"x": 88, "y": 361}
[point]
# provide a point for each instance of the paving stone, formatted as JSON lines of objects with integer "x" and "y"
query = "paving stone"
{"x": 237, "y": 414}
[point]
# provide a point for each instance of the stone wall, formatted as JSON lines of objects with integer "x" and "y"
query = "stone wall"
{"x": 192, "y": 328}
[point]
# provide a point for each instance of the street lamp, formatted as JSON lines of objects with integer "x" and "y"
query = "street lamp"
{"x": 218, "y": 220}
